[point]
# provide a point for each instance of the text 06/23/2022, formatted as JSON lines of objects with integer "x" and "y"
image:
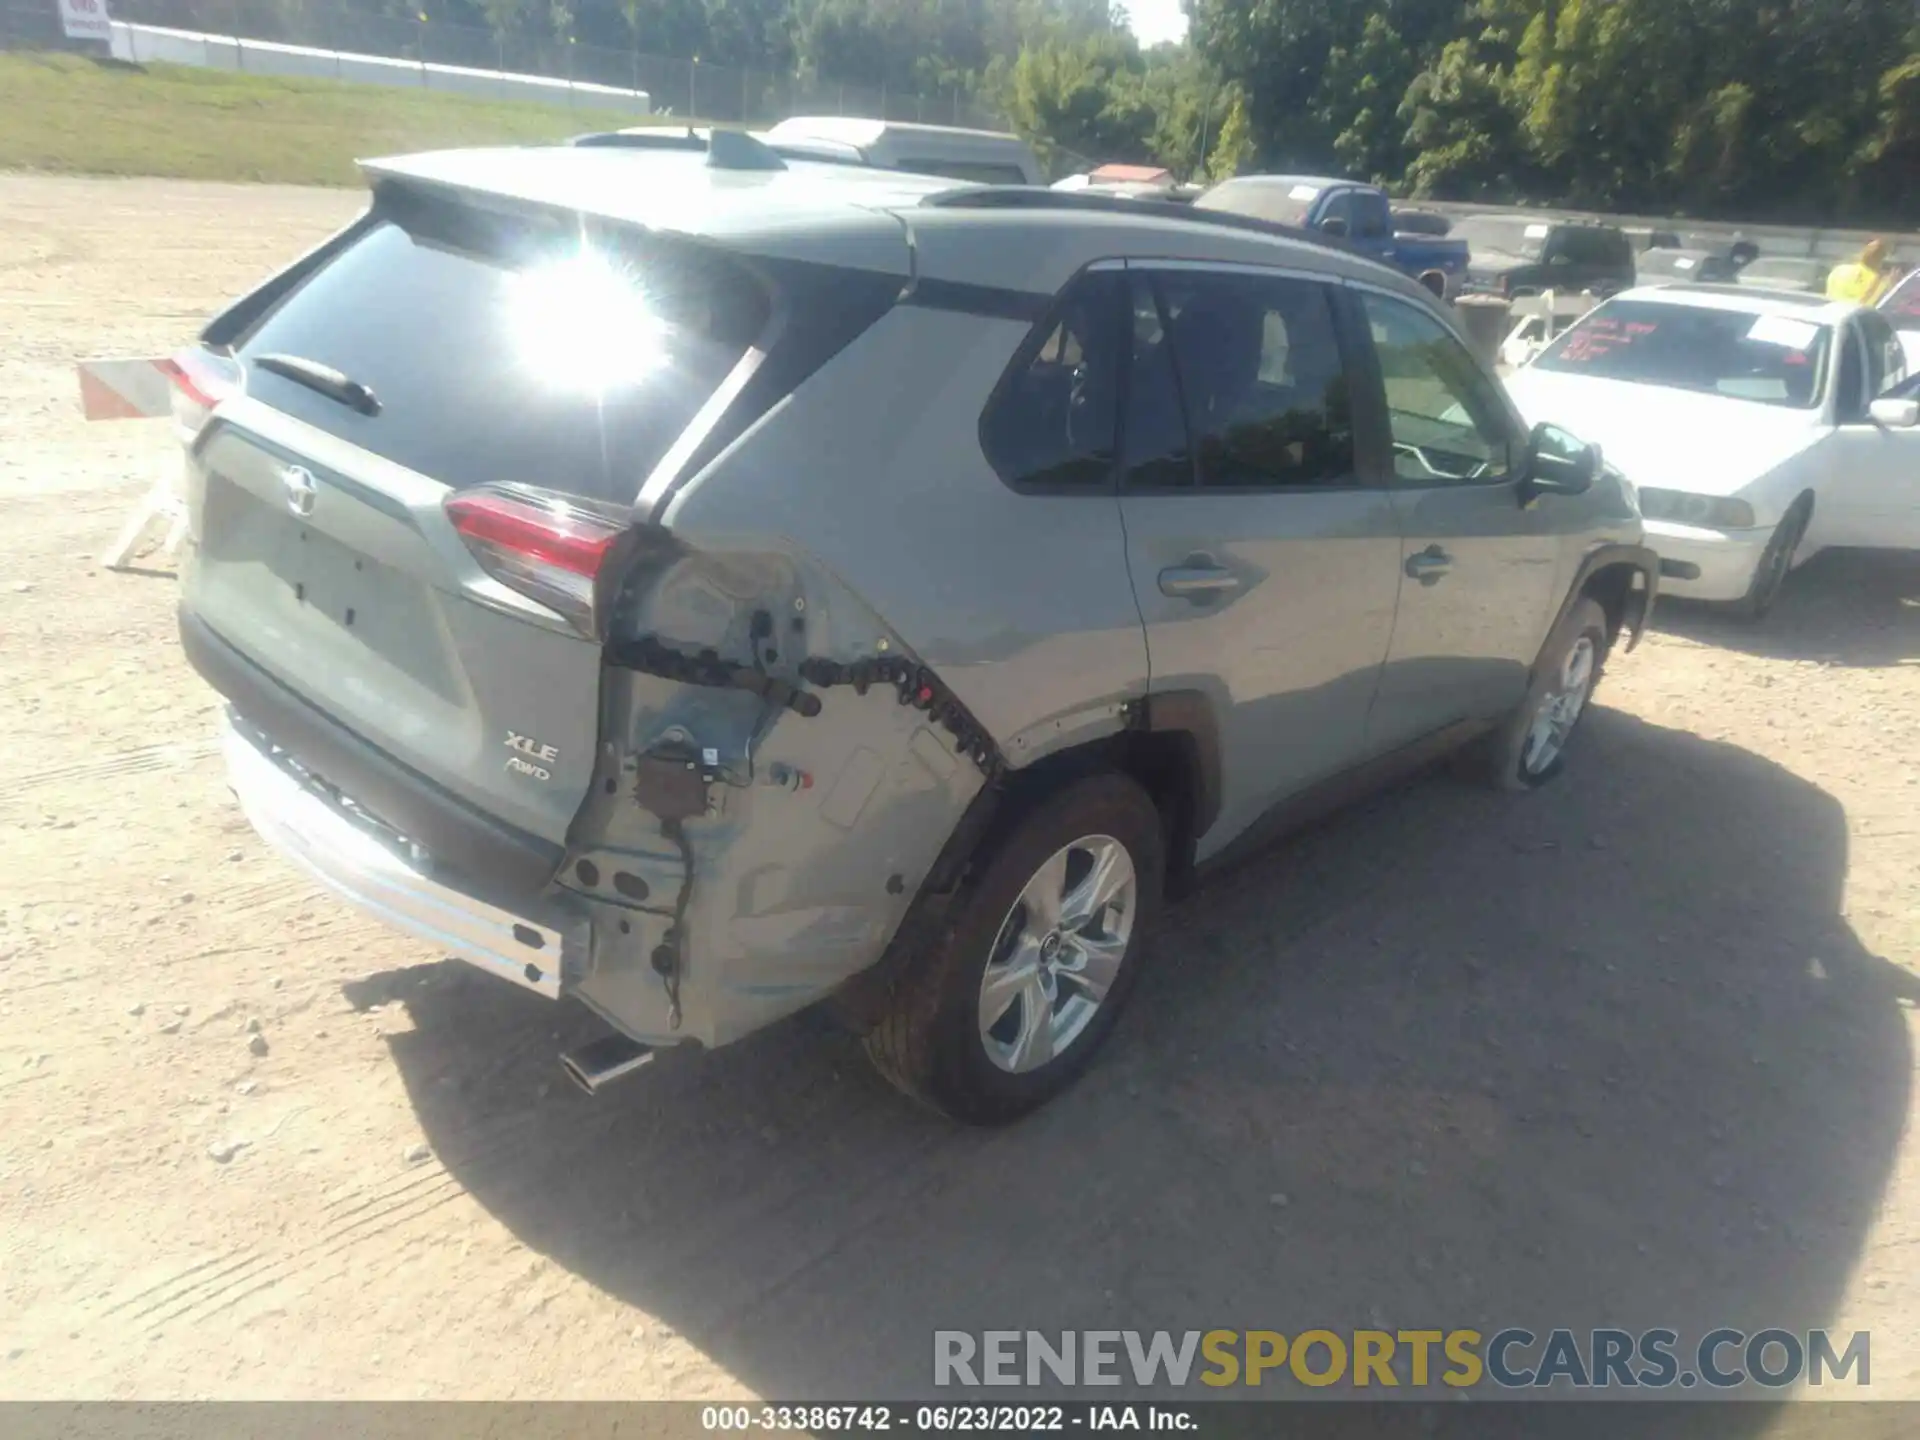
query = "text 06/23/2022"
{"x": 942, "y": 1419}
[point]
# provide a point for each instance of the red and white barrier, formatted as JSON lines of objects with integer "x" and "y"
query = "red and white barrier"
{"x": 138, "y": 390}
{"x": 126, "y": 389}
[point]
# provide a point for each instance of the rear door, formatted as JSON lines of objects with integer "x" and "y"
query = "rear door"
{"x": 523, "y": 349}
{"x": 1265, "y": 572}
{"x": 1479, "y": 572}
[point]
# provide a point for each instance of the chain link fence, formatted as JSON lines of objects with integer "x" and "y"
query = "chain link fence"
{"x": 678, "y": 86}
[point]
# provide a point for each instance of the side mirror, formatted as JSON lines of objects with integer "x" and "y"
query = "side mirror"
{"x": 1895, "y": 414}
{"x": 1558, "y": 464}
{"x": 1334, "y": 225}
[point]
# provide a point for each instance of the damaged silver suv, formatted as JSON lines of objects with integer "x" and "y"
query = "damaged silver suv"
{"x": 704, "y": 584}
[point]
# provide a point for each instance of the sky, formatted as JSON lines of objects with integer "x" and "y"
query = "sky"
{"x": 1156, "y": 20}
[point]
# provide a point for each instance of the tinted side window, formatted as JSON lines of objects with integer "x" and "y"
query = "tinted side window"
{"x": 1260, "y": 370}
{"x": 1156, "y": 452}
{"x": 1370, "y": 217}
{"x": 1447, "y": 425}
{"x": 1050, "y": 424}
{"x": 1579, "y": 247}
{"x": 1902, "y": 303}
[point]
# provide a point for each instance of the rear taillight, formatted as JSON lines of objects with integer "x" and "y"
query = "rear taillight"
{"x": 548, "y": 547}
{"x": 199, "y": 380}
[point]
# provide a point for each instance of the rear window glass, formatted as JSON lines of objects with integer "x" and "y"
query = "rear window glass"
{"x": 1772, "y": 359}
{"x": 1523, "y": 239}
{"x": 1277, "y": 201}
{"x": 514, "y": 350}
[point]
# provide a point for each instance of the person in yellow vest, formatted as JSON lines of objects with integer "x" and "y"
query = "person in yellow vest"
{"x": 1864, "y": 280}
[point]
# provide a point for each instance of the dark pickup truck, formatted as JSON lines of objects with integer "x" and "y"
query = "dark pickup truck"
{"x": 1514, "y": 255}
{"x": 1361, "y": 214}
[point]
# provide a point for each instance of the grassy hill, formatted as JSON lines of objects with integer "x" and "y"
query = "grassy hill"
{"x": 65, "y": 113}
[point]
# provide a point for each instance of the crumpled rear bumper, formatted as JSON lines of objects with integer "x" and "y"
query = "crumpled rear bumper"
{"x": 378, "y": 871}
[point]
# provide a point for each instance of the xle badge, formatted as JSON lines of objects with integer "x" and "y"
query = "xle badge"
{"x": 530, "y": 757}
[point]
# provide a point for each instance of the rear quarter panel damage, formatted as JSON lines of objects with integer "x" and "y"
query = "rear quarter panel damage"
{"x": 848, "y": 540}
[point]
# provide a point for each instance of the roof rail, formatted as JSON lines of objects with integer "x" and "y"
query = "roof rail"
{"x": 1028, "y": 197}
{"x": 725, "y": 149}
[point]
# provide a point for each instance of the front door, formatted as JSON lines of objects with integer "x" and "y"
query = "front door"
{"x": 1479, "y": 572}
{"x": 1870, "y": 493}
{"x": 1265, "y": 571}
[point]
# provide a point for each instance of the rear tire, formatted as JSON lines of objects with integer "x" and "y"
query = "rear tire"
{"x": 1100, "y": 839}
{"x": 1530, "y": 747}
{"x": 1776, "y": 561}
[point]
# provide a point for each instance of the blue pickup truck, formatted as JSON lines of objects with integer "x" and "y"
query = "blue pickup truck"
{"x": 1361, "y": 214}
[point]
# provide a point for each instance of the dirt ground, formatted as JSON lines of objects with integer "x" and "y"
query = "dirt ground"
{"x": 1635, "y": 1050}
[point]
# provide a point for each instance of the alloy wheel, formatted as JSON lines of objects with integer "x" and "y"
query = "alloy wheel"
{"x": 1560, "y": 708}
{"x": 1057, "y": 953}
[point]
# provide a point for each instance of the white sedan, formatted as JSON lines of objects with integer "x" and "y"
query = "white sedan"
{"x": 1757, "y": 426}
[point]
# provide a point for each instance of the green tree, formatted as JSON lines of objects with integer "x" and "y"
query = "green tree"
{"x": 1233, "y": 149}
{"x": 1085, "y": 97}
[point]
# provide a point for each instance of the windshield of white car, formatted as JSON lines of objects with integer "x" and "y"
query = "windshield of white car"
{"x": 1767, "y": 359}
{"x": 1520, "y": 238}
{"x": 1902, "y": 305}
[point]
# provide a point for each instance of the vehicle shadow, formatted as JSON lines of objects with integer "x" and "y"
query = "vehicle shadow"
{"x": 1602, "y": 1055}
{"x": 1843, "y": 607}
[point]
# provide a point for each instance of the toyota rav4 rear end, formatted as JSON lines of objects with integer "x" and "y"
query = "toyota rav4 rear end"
{"x": 476, "y": 682}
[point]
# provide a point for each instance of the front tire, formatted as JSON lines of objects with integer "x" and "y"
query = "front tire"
{"x": 1775, "y": 563}
{"x": 1025, "y": 984}
{"x": 1530, "y": 747}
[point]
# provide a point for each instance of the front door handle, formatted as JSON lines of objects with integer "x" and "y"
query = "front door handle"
{"x": 1197, "y": 582}
{"x": 1428, "y": 565}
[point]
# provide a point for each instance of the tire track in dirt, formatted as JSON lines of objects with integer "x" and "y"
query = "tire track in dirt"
{"x": 364, "y": 1219}
{"x": 140, "y": 759}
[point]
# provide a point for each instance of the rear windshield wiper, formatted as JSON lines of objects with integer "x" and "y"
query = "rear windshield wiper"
{"x": 323, "y": 378}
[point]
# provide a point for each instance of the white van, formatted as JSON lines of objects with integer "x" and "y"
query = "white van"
{"x": 988, "y": 157}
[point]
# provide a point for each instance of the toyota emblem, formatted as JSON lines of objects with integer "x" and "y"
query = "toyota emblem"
{"x": 302, "y": 490}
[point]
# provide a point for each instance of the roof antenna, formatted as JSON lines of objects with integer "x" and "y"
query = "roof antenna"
{"x": 737, "y": 150}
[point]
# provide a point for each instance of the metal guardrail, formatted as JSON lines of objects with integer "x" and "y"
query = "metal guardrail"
{"x": 677, "y": 85}
{"x": 1785, "y": 241}
{"x": 143, "y": 45}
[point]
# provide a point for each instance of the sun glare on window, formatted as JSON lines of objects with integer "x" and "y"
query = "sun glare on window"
{"x": 585, "y": 324}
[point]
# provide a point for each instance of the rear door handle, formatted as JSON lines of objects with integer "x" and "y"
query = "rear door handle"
{"x": 1428, "y": 565}
{"x": 1197, "y": 582}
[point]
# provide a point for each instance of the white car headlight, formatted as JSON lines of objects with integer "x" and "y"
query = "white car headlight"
{"x": 1714, "y": 512}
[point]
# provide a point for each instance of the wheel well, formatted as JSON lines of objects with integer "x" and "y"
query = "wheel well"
{"x": 1611, "y": 586}
{"x": 1436, "y": 281}
{"x": 1165, "y": 763}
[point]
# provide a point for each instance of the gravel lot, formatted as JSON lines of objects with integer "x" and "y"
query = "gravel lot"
{"x": 1636, "y": 1050}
